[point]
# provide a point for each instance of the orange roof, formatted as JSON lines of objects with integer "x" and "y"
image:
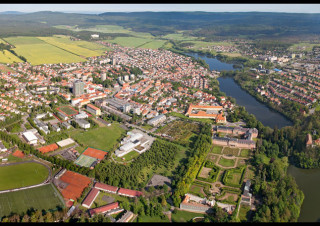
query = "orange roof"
{"x": 48, "y": 148}
{"x": 95, "y": 153}
{"x": 93, "y": 107}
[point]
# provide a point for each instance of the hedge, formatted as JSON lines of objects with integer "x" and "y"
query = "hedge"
{"x": 241, "y": 170}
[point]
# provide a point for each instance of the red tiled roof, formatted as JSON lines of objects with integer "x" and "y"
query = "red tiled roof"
{"x": 90, "y": 197}
{"x": 95, "y": 153}
{"x": 129, "y": 192}
{"x": 103, "y": 209}
{"x": 107, "y": 187}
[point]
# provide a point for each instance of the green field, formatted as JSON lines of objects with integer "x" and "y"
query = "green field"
{"x": 231, "y": 151}
{"x": 185, "y": 216}
{"x": 244, "y": 213}
{"x": 21, "y": 175}
{"x": 131, "y": 155}
{"x": 178, "y": 37}
{"x": 156, "y": 44}
{"x": 56, "y": 49}
{"x": 303, "y": 46}
{"x": 155, "y": 219}
{"x": 45, "y": 197}
{"x": 129, "y": 41}
{"x": 226, "y": 162}
{"x": 245, "y": 153}
{"x": 196, "y": 190}
{"x": 176, "y": 114}
{"x": 8, "y": 58}
{"x": 216, "y": 149}
{"x": 65, "y": 43}
{"x": 103, "y": 138}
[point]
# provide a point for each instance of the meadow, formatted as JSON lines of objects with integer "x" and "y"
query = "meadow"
{"x": 129, "y": 41}
{"x": 45, "y": 197}
{"x": 21, "y": 175}
{"x": 156, "y": 44}
{"x": 184, "y": 216}
{"x": 179, "y": 37}
{"x": 226, "y": 162}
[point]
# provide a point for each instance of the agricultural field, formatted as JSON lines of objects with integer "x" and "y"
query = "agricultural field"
{"x": 21, "y": 175}
{"x": 38, "y": 52}
{"x": 226, "y": 162}
{"x": 156, "y": 44}
{"x": 202, "y": 44}
{"x": 303, "y": 46}
{"x": 130, "y": 41}
{"x": 103, "y": 138}
{"x": 56, "y": 49}
{"x": 8, "y": 58}
{"x": 66, "y": 44}
{"x": 181, "y": 131}
{"x": 179, "y": 37}
{"x": 45, "y": 197}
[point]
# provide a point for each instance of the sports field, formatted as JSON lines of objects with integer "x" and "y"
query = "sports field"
{"x": 21, "y": 175}
{"x": 68, "y": 110}
{"x": 103, "y": 138}
{"x": 85, "y": 160}
{"x": 43, "y": 197}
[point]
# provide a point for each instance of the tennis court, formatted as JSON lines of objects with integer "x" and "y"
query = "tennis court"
{"x": 95, "y": 153}
{"x": 85, "y": 160}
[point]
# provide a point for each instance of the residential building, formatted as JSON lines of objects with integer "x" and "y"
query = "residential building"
{"x": 93, "y": 109}
{"x": 78, "y": 88}
{"x": 157, "y": 120}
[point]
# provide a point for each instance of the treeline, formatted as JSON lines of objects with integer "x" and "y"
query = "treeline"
{"x": 161, "y": 154}
{"x": 188, "y": 172}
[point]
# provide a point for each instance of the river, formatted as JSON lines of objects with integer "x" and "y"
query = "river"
{"x": 307, "y": 179}
{"x": 265, "y": 115}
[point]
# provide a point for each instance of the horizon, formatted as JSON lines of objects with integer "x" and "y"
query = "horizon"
{"x": 105, "y": 8}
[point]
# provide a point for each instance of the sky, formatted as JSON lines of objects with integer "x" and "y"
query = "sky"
{"x": 99, "y": 8}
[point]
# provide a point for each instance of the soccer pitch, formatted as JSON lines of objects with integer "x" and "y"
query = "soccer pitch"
{"x": 22, "y": 175}
{"x": 45, "y": 197}
{"x": 85, "y": 160}
{"x": 67, "y": 110}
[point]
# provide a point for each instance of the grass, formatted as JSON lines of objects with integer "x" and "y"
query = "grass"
{"x": 21, "y": 175}
{"x": 67, "y": 110}
{"x": 130, "y": 41}
{"x": 216, "y": 150}
{"x": 196, "y": 190}
{"x": 231, "y": 151}
{"x": 202, "y": 44}
{"x": 156, "y": 44}
{"x": 70, "y": 46}
{"x": 226, "y": 162}
{"x": 103, "y": 138}
{"x": 178, "y": 37}
{"x": 302, "y": 46}
{"x": 176, "y": 114}
{"x": 44, "y": 197}
{"x": 184, "y": 216}
{"x": 56, "y": 49}
{"x": 155, "y": 219}
{"x": 235, "y": 178}
{"x": 12, "y": 158}
{"x": 8, "y": 58}
{"x": 131, "y": 155}
{"x": 244, "y": 212}
{"x": 245, "y": 153}
{"x": 147, "y": 127}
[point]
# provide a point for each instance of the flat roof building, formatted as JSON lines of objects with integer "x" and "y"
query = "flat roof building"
{"x": 30, "y": 137}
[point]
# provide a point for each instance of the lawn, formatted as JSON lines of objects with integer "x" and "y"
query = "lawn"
{"x": 226, "y": 162}
{"x": 196, "y": 190}
{"x": 103, "y": 138}
{"x": 176, "y": 114}
{"x": 216, "y": 149}
{"x": 155, "y": 219}
{"x": 231, "y": 151}
{"x": 147, "y": 127}
{"x": 21, "y": 175}
{"x": 8, "y": 58}
{"x": 45, "y": 197}
{"x": 244, "y": 213}
{"x": 245, "y": 153}
{"x": 234, "y": 178}
{"x": 68, "y": 110}
{"x": 185, "y": 216}
{"x": 178, "y": 37}
{"x": 131, "y": 155}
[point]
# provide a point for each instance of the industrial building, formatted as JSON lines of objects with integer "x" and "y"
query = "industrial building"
{"x": 30, "y": 137}
{"x": 156, "y": 120}
{"x": 83, "y": 123}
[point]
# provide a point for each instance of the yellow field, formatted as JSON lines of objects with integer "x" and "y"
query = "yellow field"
{"x": 8, "y": 58}
{"x": 70, "y": 46}
{"x": 57, "y": 49}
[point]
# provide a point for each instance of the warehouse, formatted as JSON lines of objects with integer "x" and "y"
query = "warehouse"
{"x": 30, "y": 137}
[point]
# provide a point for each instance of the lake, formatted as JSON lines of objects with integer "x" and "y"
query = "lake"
{"x": 265, "y": 115}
